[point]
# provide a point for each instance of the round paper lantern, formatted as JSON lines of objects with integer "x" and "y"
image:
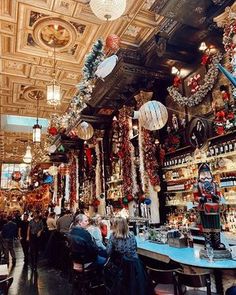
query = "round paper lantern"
{"x": 153, "y": 115}
{"x": 106, "y": 67}
{"x": 53, "y": 170}
{"x": 108, "y": 9}
{"x": 85, "y": 131}
{"x": 113, "y": 42}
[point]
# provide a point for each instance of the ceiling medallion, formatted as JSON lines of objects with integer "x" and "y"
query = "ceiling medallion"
{"x": 30, "y": 92}
{"x": 54, "y": 32}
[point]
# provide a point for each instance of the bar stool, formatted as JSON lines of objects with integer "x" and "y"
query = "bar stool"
{"x": 163, "y": 281}
{"x": 195, "y": 281}
{"x": 86, "y": 277}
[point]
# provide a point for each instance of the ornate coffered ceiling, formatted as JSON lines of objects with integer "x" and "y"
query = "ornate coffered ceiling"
{"x": 27, "y": 29}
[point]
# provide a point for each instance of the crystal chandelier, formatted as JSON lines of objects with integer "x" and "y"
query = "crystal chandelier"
{"x": 108, "y": 9}
{"x": 37, "y": 128}
{"x": 54, "y": 88}
{"x": 28, "y": 156}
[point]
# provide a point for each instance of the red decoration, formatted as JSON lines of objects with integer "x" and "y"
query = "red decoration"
{"x": 88, "y": 152}
{"x": 130, "y": 198}
{"x": 193, "y": 83}
{"x": 177, "y": 81}
{"x": 205, "y": 59}
{"x": 96, "y": 203}
{"x": 16, "y": 175}
{"x": 113, "y": 42}
{"x": 225, "y": 95}
{"x": 52, "y": 131}
{"x": 220, "y": 117}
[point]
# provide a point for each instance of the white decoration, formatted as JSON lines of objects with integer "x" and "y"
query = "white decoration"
{"x": 108, "y": 9}
{"x": 53, "y": 170}
{"x": 85, "y": 131}
{"x": 106, "y": 66}
{"x": 52, "y": 149}
{"x": 153, "y": 115}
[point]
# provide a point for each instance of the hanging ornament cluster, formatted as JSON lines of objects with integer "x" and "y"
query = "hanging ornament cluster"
{"x": 200, "y": 89}
{"x": 153, "y": 115}
{"x": 225, "y": 120}
{"x": 16, "y": 176}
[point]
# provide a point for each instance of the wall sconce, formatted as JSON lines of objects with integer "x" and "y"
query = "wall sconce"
{"x": 203, "y": 46}
{"x": 175, "y": 71}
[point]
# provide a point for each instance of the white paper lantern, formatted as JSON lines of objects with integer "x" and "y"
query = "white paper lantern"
{"x": 153, "y": 115}
{"x": 53, "y": 170}
{"x": 108, "y": 9}
{"x": 85, "y": 131}
{"x": 106, "y": 67}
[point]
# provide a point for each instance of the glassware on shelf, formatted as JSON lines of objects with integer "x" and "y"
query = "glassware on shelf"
{"x": 210, "y": 253}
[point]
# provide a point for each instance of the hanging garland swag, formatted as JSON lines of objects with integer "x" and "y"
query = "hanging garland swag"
{"x": 203, "y": 89}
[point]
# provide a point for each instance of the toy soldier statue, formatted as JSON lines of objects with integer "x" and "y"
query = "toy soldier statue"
{"x": 207, "y": 194}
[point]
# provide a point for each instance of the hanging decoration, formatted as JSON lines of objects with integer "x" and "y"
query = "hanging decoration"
{"x": 153, "y": 115}
{"x": 85, "y": 131}
{"x": 106, "y": 66}
{"x": 112, "y": 43}
{"x": 126, "y": 160}
{"x": 108, "y": 9}
{"x": 193, "y": 83}
{"x": 16, "y": 176}
{"x": 201, "y": 91}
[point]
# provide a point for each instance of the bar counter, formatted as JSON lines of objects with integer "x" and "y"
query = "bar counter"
{"x": 224, "y": 271}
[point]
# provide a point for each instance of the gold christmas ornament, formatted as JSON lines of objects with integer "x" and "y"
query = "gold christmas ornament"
{"x": 53, "y": 170}
{"x": 85, "y": 131}
{"x": 153, "y": 115}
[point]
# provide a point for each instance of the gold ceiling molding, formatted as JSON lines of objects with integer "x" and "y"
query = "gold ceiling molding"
{"x": 31, "y": 92}
{"x": 223, "y": 18}
{"x": 54, "y": 32}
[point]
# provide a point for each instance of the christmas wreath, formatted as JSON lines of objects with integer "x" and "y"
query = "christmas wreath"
{"x": 203, "y": 89}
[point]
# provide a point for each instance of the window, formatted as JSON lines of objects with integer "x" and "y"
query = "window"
{"x": 6, "y": 175}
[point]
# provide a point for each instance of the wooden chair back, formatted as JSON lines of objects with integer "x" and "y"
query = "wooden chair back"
{"x": 193, "y": 280}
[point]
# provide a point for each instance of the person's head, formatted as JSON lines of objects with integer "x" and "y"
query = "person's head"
{"x": 25, "y": 216}
{"x": 67, "y": 212}
{"x": 9, "y": 218}
{"x": 36, "y": 214}
{"x": 82, "y": 220}
{"x": 120, "y": 229}
{"x": 97, "y": 219}
{"x": 52, "y": 215}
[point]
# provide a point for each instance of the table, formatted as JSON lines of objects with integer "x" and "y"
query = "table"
{"x": 186, "y": 256}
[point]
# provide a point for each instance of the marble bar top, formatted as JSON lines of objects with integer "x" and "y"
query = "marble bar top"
{"x": 187, "y": 256}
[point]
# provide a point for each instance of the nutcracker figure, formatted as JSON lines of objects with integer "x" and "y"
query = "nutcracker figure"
{"x": 208, "y": 196}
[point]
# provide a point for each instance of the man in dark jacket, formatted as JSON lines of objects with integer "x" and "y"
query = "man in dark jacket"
{"x": 83, "y": 247}
{"x": 9, "y": 233}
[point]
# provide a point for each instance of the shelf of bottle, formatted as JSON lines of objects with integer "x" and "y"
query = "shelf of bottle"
{"x": 180, "y": 179}
{"x": 176, "y": 205}
{"x": 180, "y": 191}
{"x": 184, "y": 165}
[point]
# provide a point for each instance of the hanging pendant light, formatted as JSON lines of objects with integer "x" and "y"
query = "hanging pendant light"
{"x": 54, "y": 88}
{"x": 108, "y": 9}
{"x": 37, "y": 128}
{"x": 28, "y": 156}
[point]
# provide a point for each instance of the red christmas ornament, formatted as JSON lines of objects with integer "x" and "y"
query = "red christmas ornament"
{"x": 52, "y": 131}
{"x": 96, "y": 203}
{"x": 220, "y": 130}
{"x": 220, "y": 117}
{"x": 130, "y": 198}
{"x": 142, "y": 198}
{"x": 113, "y": 42}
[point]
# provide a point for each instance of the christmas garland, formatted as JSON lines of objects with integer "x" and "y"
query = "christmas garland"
{"x": 203, "y": 89}
{"x": 126, "y": 155}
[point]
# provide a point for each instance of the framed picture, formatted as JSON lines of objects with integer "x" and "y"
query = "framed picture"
{"x": 198, "y": 132}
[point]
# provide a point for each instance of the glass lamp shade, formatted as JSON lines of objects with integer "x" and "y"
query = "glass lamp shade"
{"x": 28, "y": 156}
{"x": 37, "y": 133}
{"x": 54, "y": 93}
{"x": 108, "y": 9}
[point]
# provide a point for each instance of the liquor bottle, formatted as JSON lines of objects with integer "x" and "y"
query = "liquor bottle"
{"x": 226, "y": 147}
{"x": 221, "y": 148}
{"x": 231, "y": 146}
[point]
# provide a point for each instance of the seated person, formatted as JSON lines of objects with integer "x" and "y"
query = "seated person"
{"x": 83, "y": 248}
{"x": 124, "y": 271}
{"x": 95, "y": 232}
